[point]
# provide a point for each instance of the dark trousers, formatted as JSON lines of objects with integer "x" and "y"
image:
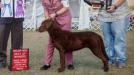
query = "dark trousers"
{"x": 2, "y": 28}
{"x": 16, "y": 29}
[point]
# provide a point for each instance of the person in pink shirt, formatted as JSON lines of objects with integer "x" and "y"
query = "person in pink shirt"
{"x": 59, "y": 10}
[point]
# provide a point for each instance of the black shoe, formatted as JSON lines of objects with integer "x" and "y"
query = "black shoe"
{"x": 45, "y": 67}
{"x": 70, "y": 67}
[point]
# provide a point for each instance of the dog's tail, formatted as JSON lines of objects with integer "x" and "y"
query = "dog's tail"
{"x": 103, "y": 49}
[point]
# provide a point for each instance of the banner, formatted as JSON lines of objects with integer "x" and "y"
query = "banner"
{"x": 12, "y": 8}
{"x": 19, "y": 59}
{"x": 19, "y": 8}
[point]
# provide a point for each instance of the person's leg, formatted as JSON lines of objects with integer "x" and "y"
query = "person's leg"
{"x": 2, "y": 28}
{"x": 69, "y": 55}
{"x": 48, "y": 55}
{"x": 108, "y": 41}
{"x": 17, "y": 34}
{"x": 119, "y": 29}
{"x": 3, "y": 56}
{"x": 6, "y": 35}
{"x": 69, "y": 60}
{"x": 49, "y": 52}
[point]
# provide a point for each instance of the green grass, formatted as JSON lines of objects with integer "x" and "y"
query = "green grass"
{"x": 84, "y": 61}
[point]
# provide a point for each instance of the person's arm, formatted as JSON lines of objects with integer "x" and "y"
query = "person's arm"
{"x": 117, "y": 4}
{"x": 46, "y": 14}
{"x": 62, "y": 10}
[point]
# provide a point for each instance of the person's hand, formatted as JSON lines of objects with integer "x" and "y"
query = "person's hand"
{"x": 132, "y": 17}
{"x": 52, "y": 15}
{"x": 111, "y": 9}
{"x": 46, "y": 18}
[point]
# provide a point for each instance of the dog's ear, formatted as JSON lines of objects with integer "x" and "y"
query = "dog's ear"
{"x": 48, "y": 23}
{"x": 45, "y": 25}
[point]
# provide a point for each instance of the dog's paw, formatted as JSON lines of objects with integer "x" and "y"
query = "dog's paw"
{"x": 61, "y": 69}
{"x": 106, "y": 69}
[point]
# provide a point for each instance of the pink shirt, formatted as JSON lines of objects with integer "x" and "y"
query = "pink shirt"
{"x": 54, "y": 6}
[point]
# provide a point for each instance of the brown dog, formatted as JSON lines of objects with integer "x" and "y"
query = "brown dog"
{"x": 66, "y": 41}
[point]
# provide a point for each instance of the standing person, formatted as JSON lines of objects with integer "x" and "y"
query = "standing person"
{"x": 114, "y": 21}
{"x": 58, "y": 9}
{"x": 15, "y": 27}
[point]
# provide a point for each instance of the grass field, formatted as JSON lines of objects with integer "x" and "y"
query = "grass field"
{"x": 84, "y": 61}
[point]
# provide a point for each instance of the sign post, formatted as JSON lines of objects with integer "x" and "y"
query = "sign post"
{"x": 19, "y": 59}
